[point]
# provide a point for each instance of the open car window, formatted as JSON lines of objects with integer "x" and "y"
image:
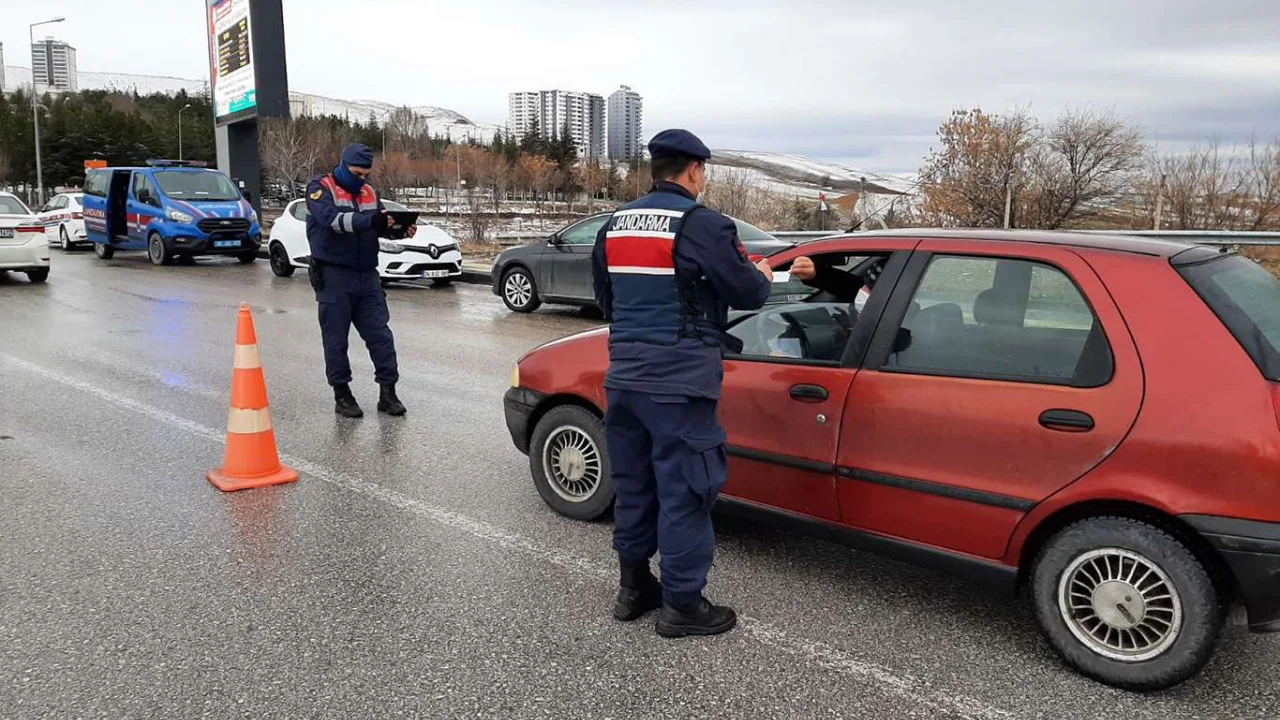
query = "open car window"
{"x": 804, "y": 323}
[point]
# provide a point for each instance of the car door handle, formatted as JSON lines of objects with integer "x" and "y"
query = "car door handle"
{"x": 1067, "y": 420}
{"x": 809, "y": 393}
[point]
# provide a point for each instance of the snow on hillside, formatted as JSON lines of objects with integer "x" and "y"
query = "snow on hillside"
{"x": 15, "y": 77}
{"x": 810, "y": 176}
{"x": 441, "y": 121}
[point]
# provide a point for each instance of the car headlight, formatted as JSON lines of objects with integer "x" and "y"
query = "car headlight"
{"x": 181, "y": 217}
{"x": 390, "y": 246}
{"x": 515, "y": 376}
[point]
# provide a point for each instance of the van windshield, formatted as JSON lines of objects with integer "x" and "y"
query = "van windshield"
{"x": 186, "y": 185}
{"x": 1247, "y": 299}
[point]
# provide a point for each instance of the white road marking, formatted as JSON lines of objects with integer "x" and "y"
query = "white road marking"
{"x": 904, "y": 686}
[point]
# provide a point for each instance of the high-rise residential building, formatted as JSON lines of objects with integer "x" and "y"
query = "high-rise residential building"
{"x": 1, "y": 67}
{"x": 53, "y": 65}
{"x": 553, "y": 109}
{"x": 626, "y": 122}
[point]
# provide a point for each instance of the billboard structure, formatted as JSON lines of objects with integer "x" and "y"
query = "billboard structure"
{"x": 248, "y": 79}
{"x": 235, "y": 89}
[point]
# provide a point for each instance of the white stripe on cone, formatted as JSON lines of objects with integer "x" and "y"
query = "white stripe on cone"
{"x": 248, "y": 422}
{"x": 247, "y": 358}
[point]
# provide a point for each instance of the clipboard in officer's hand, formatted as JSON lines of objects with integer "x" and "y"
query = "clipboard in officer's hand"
{"x": 404, "y": 220}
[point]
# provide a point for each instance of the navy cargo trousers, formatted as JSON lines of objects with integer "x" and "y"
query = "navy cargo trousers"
{"x": 355, "y": 297}
{"x": 667, "y": 454}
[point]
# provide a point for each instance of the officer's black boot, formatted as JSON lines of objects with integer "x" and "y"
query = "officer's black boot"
{"x": 390, "y": 404}
{"x": 640, "y": 592}
{"x": 345, "y": 403}
{"x": 699, "y": 618}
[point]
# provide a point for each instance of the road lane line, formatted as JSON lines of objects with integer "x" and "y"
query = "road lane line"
{"x": 906, "y": 687}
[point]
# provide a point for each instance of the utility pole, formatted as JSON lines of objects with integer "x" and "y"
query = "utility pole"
{"x": 1008, "y": 204}
{"x": 188, "y": 107}
{"x": 1159, "y": 202}
{"x": 35, "y": 111}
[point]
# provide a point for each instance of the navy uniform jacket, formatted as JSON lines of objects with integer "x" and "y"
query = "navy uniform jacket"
{"x": 340, "y": 225}
{"x": 666, "y": 271}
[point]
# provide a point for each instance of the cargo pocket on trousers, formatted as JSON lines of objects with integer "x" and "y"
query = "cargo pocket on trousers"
{"x": 707, "y": 466}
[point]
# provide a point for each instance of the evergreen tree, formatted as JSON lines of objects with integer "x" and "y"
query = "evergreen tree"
{"x": 532, "y": 143}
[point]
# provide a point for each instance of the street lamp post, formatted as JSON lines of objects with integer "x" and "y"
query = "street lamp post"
{"x": 184, "y": 109}
{"x": 35, "y": 112}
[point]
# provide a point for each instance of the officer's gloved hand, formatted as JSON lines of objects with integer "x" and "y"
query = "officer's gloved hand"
{"x": 381, "y": 222}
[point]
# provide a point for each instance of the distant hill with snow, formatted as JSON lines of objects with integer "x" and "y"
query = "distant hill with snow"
{"x": 806, "y": 176}
{"x": 791, "y": 174}
{"x": 441, "y": 122}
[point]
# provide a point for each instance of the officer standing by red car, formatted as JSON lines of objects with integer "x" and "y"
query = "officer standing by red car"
{"x": 666, "y": 270}
{"x": 345, "y": 220}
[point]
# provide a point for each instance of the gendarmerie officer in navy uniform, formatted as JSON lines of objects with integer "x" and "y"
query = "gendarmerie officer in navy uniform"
{"x": 666, "y": 271}
{"x": 345, "y": 218}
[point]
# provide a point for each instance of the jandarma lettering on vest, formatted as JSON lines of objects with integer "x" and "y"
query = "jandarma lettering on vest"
{"x": 643, "y": 223}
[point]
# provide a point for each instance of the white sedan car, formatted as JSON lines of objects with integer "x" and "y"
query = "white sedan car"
{"x": 63, "y": 219}
{"x": 432, "y": 254}
{"x": 23, "y": 247}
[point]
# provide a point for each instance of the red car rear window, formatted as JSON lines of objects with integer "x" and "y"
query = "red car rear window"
{"x": 1247, "y": 299}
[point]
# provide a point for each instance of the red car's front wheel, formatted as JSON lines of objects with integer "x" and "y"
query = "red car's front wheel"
{"x": 570, "y": 464}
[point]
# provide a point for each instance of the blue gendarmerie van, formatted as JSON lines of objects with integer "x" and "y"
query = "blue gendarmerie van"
{"x": 170, "y": 209}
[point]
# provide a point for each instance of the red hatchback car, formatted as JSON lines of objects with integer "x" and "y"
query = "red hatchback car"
{"x": 1095, "y": 419}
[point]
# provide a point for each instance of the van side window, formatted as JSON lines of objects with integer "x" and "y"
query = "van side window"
{"x": 1002, "y": 319}
{"x": 142, "y": 187}
{"x": 96, "y": 184}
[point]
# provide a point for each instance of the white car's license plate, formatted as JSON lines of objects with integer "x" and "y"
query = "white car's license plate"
{"x": 435, "y": 273}
{"x": 6, "y": 233}
{"x": 226, "y": 243}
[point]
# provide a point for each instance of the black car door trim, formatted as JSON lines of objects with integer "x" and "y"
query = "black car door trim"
{"x": 789, "y": 461}
{"x": 876, "y": 478}
{"x": 932, "y": 488}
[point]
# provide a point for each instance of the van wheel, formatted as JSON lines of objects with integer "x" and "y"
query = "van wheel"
{"x": 1126, "y": 603}
{"x": 103, "y": 251}
{"x": 38, "y": 276}
{"x": 570, "y": 463}
{"x": 280, "y": 263}
{"x": 157, "y": 252}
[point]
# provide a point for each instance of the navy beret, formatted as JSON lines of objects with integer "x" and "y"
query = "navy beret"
{"x": 357, "y": 155}
{"x": 671, "y": 143}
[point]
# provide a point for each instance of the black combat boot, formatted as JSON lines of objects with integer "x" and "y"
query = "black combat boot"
{"x": 701, "y": 618}
{"x": 390, "y": 404}
{"x": 345, "y": 403}
{"x": 639, "y": 593}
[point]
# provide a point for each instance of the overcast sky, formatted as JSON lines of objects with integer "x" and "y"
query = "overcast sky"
{"x": 865, "y": 83}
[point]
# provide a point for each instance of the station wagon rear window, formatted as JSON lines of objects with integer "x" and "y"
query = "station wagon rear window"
{"x": 1247, "y": 299}
{"x": 196, "y": 185}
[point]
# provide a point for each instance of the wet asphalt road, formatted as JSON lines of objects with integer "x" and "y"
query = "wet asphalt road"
{"x": 414, "y": 571}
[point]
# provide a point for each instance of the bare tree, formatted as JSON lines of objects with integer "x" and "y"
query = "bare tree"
{"x": 290, "y": 152}
{"x": 1081, "y": 168}
{"x": 1263, "y": 181}
{"x": 981, "y": 163}
{"x": 592, "y": 178}
{"x": 407, "y": 131}
{"x": 730, "y": 191}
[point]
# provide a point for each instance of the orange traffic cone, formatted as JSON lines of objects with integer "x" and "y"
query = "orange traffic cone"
{"x": 252, "y": 459}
